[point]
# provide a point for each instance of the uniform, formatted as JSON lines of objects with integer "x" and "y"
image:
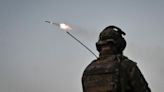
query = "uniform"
{"x": 115, "y": 73}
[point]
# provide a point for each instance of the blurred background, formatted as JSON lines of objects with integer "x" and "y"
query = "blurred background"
{"x": 38, "y": 57}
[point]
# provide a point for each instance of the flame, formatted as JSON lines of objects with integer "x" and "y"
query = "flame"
{"x": 65, "y": 26}
{"x": 61, "y": 25}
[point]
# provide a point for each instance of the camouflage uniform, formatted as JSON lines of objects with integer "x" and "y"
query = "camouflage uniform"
{"x": 115, "y": 72}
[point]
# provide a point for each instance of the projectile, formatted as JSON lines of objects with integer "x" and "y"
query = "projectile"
{"x": 52, "y": 23}
{"x": 61, "y": 25}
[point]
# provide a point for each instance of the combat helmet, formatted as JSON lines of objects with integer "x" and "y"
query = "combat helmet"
{"x": 112, "y": 35}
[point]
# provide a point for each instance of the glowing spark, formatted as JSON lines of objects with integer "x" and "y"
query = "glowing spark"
{"x": 65, "y": 26}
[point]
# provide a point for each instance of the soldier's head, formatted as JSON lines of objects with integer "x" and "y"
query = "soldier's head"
{"x": 111, "y": 37}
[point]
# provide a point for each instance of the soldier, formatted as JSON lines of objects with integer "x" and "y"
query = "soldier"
{"x": 112, "y": 71}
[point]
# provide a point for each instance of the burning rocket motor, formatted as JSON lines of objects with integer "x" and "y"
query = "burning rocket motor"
{"x": 67, "y": 28}
{"x": 61, "y": 25}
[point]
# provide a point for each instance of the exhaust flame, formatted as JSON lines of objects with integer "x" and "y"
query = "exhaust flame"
{"x": 61, "y": 25}
{"x": 65, "y": 26}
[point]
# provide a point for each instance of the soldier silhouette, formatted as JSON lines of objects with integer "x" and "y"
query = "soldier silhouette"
{"x": 112, "y": 71}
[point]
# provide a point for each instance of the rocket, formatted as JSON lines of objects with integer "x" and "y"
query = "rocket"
{"x": 61, "y": 25}
{"x": 67, "y": 28}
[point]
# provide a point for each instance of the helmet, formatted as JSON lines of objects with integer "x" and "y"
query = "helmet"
{"x": 112, "y": 35}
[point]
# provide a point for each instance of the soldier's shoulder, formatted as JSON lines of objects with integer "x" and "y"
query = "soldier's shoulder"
{"x": 126, "y": 62}
{"x": 90, "y": 65}
{"x": 93, "y": 61}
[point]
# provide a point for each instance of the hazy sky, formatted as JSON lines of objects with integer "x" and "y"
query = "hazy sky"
{"x": 38, "y": 57}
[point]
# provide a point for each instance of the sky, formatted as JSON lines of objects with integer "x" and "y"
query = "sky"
{"x": 38, "y": 57}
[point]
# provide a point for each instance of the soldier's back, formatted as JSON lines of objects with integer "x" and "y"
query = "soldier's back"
{"x": 114, "y": 73}
{"x": 102, "y": 75}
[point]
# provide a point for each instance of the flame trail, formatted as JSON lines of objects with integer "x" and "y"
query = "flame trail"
{"x": 61, "y": 25}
